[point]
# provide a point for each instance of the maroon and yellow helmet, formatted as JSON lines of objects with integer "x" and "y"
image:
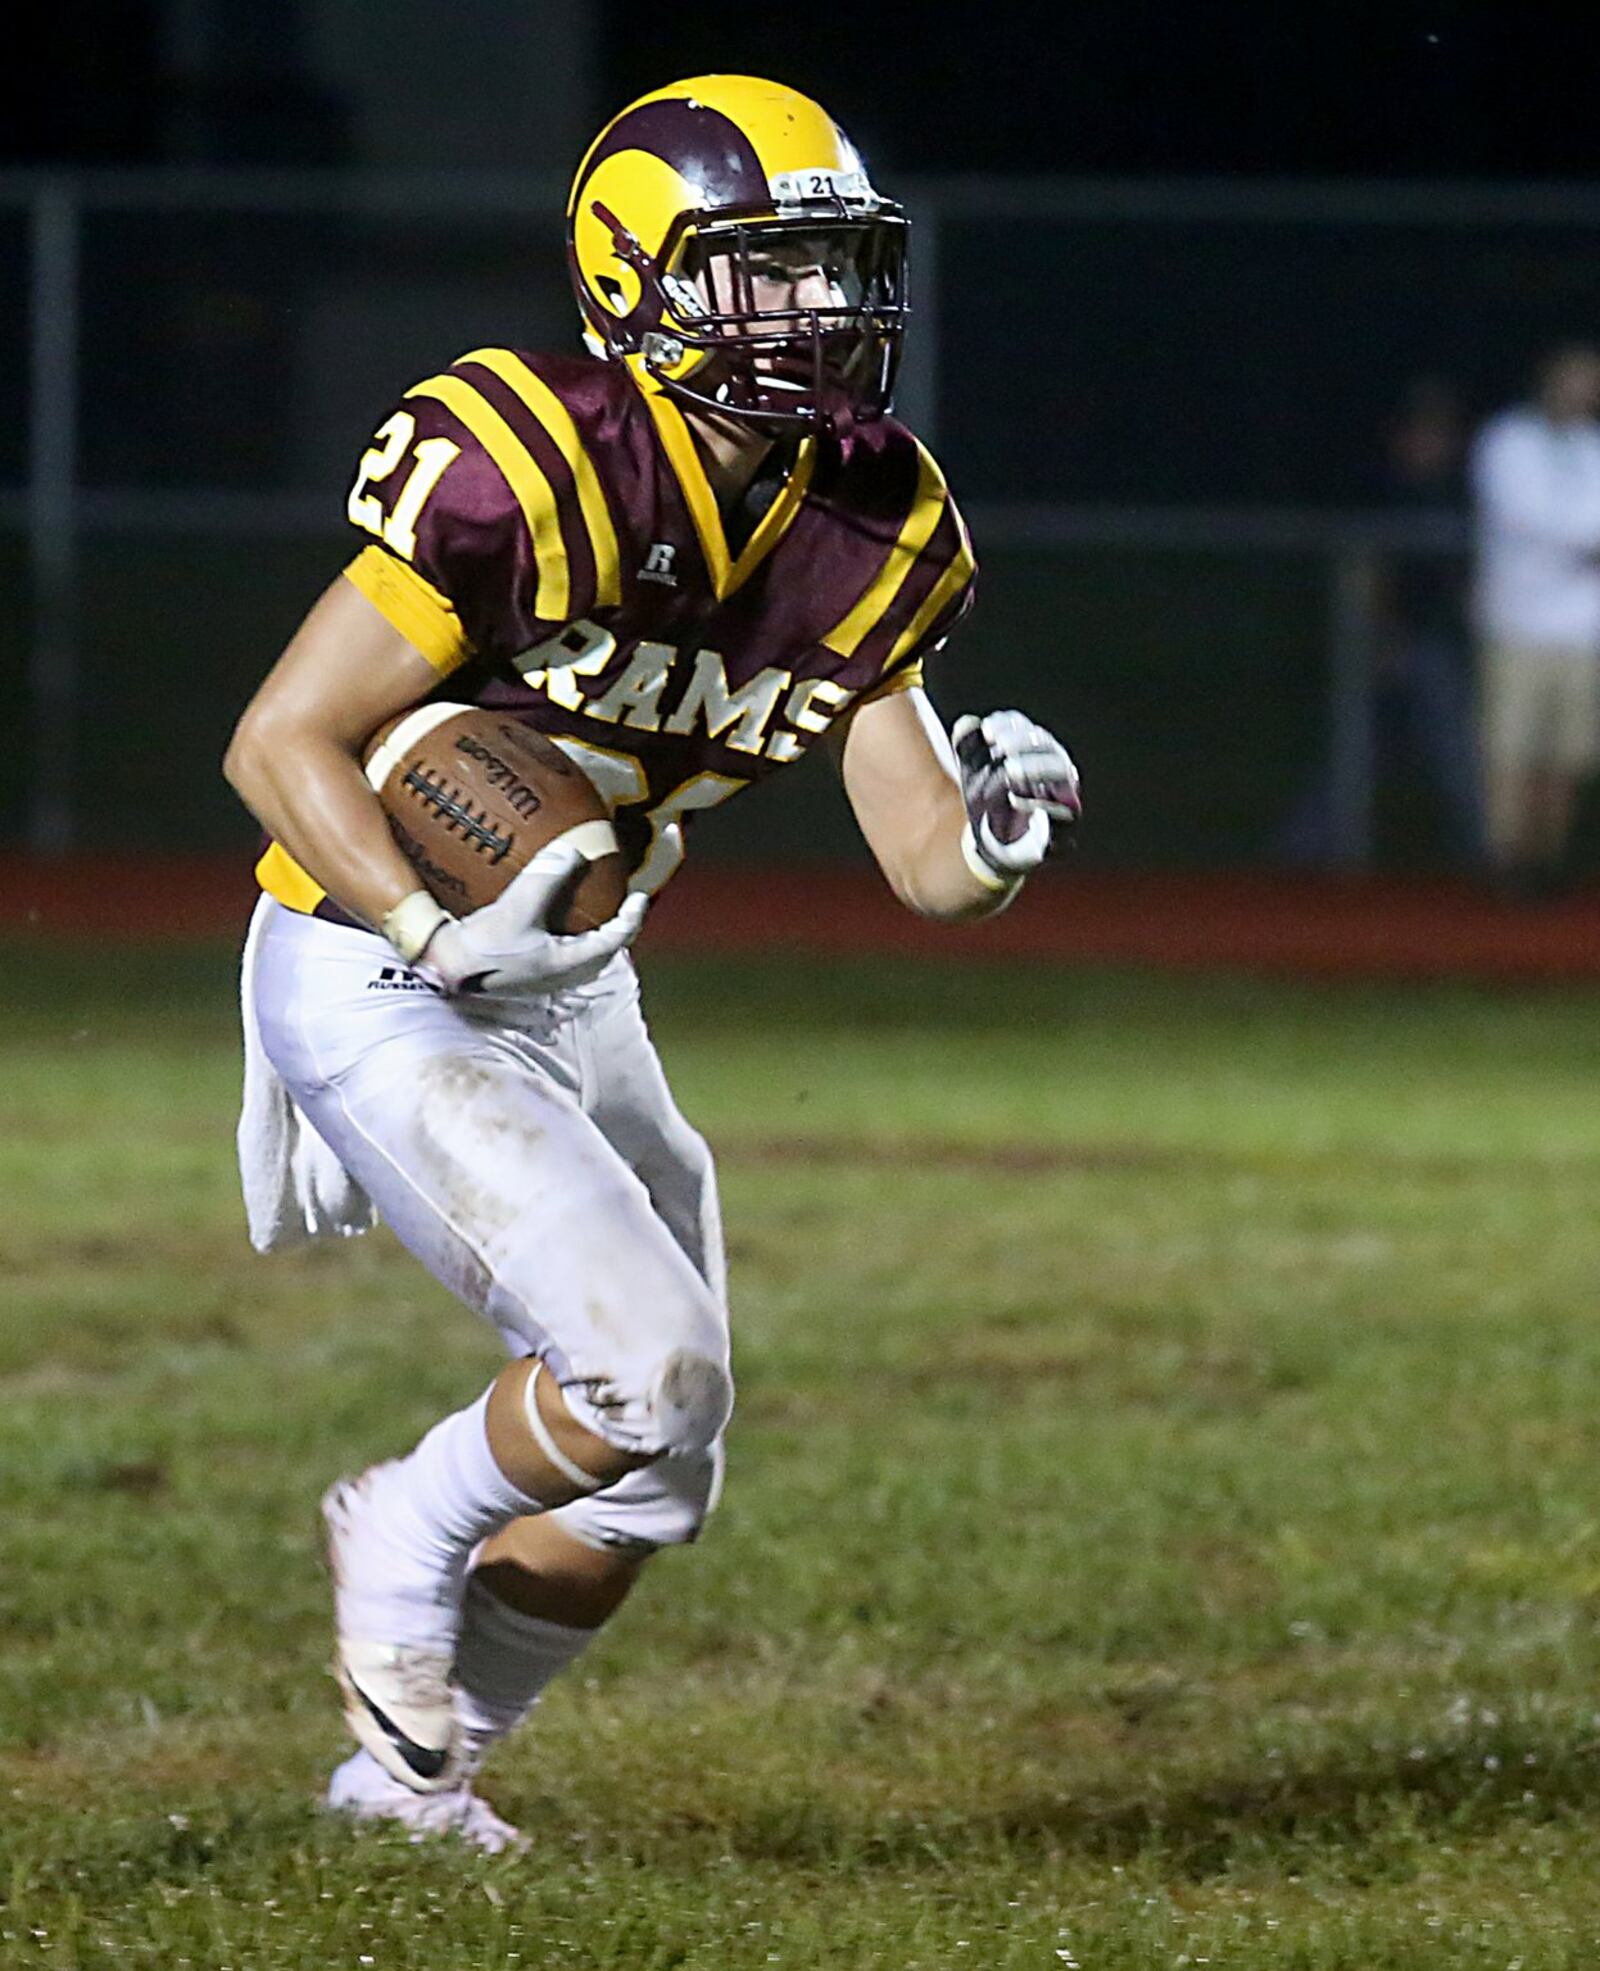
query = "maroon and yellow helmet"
{"x": 683, "y": 198}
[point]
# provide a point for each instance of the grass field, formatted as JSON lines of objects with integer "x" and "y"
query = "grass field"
{"x": 1163, "y": 1526}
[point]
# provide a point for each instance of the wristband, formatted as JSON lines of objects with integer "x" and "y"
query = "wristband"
{"x": 985, "y": 871}
{"x": 410, "y": 926}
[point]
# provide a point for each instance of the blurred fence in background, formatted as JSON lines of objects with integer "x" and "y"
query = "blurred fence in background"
{"x": 1160, "y": 404}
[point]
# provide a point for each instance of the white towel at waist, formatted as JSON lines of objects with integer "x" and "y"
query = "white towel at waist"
{"x": 295, "y": 1188}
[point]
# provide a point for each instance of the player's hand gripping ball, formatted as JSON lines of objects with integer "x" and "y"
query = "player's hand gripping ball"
{"x": 1020, "y": 788}
{"x": 504, "y": 948}
{"x": 526, "y": 886}
{"x": 471, "y": 794}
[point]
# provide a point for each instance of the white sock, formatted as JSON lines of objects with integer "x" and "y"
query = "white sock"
{"x": 504, "y": 1660}
{"x": 428, "y": 1513}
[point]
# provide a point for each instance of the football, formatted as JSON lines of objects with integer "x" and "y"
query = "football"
{"x": 472, "y": 793}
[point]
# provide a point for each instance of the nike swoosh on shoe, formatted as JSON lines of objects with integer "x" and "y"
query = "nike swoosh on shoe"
{"x": 425, "y": 1761}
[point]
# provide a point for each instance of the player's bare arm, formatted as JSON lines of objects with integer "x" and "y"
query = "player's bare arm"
{"x": 901, "y": 779}
{"x": 953, "y": 835}
{"x": 295, "y": 759}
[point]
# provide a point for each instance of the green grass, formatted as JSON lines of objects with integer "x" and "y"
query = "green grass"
{"x": 1163, "y": 1526}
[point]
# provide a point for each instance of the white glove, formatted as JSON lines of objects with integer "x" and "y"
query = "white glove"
{"x": 504, "y": 946}
{"x": 1021, "y": 793}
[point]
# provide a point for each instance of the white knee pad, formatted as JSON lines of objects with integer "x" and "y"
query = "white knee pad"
{"x": 689, "y": 1402}
{"x": 636, "y": 1339}
{"x": 670, "y": 1405}
{"x": 663, "y": 1505}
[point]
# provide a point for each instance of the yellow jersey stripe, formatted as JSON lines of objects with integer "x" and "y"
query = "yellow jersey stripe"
{"x": 778, "y": 518}
{"x": 910, "y": 679}
{"x": 845, "y": 637}
{"x": 523, "y": 474}
{"x": 944, "y": 591}
{"x": 555, "y": 419}
{"x": 696, "y": 488}
{"x": 414, "y": 606}
{"x": 282, "y": 877}
{"x": 727, "y": 575}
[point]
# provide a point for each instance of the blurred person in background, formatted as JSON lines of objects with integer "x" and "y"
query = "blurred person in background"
{"x": 1535, "y": 472}
{"x": 1420, "y": 702}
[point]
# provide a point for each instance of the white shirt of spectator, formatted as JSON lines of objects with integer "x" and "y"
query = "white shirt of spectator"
{"x": 1536, "y": 488}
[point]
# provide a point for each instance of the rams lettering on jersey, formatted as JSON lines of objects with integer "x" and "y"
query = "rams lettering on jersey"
{"x": 542, "y": 530}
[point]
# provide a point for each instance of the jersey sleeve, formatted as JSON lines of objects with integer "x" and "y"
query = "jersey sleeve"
{"x": 946, "y": 605}
{"x": 487, "y": 526}
{"x": 923, "y": 590}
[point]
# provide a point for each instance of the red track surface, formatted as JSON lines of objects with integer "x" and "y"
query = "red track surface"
{"x": 1359, "y": 927}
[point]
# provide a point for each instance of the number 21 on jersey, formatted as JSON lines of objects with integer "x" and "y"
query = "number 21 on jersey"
{"x": 398, "y": 529}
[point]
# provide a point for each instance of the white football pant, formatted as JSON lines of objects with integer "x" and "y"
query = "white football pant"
{"x": 529, "y": 1153}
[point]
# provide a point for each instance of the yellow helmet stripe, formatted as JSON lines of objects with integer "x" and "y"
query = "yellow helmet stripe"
{"x": 929, "y": 503}
{"x": 526, "y": 479}
{"x": 944, "y": 591}
{"x": 557, "y": 420}
{"x": 787, "y": 131}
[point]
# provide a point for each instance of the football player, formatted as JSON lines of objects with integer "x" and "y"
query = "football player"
{"x": 691, "y": 557}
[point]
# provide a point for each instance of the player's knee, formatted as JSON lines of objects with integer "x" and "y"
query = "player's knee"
{"x": 669, "y": 1391}
{"x": 667, "y": 1405}
{"x": 593, "y": 1431}
{"x": 543, "y": 1446}
{"x": 690, "y": 1402}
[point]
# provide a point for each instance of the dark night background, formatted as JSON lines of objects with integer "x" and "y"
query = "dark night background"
{"x": 1158, "y": 86}
{"x": 1090, "y": 357}
{"x": 1455, "y": 88}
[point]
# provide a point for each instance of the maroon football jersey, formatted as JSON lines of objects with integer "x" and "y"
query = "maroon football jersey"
{"x": 543, "y": 531}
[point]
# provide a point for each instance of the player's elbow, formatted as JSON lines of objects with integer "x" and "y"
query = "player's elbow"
{"x": 964, "y": 909}
{"x": 256, "y": 743}
{"x": 236, "y": 760}
{"x": 929, "y": 875}
{"x": 241, "y": 762}
{"x": 941, "y": 890}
